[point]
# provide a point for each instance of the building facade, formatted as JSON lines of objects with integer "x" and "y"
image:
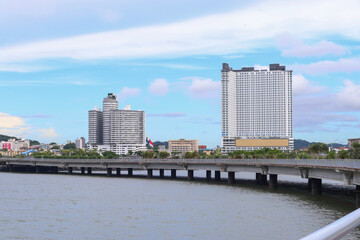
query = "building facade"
{"x": 115, "y": 130}
{"x": 80, "y": 143}
{"x": 256, "y": 108}
{"x": 182, "y": 146}
{"x": 95, "y": 126}
{"x": 109, "y": 103}
{"x": 352, "y": 141}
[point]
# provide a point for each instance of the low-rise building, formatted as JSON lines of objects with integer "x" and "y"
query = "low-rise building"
{"x": 182, "y": 146}
{"x": 351, "y": 141}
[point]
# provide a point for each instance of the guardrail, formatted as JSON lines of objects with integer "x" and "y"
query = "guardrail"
{"x": 337, "y": 229}
{"x": 353, "y": 164}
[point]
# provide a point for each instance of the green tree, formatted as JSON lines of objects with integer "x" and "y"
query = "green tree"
{"x": 109, "y": 155}
{"x": 354, "y": 151}
{"x": 188, "y": 155}
{"x": 70, "y": 146}
{"x": 55, "y": 147}
{"x": 148, "y": 154}
{"x": 343, "y": 154}
{"x": 331, "y": 155}
{"x": 318, "y": 148}
{"x": 164, "y": 154}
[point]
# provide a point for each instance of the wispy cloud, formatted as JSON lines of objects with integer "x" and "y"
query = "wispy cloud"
{"x": 233, "y": 32}
{"x": 39, "y": 115}
{"x": 302, "y": 86}
{"x": 128, "y": 92}
{"x": 343, "y": 65}
{"x": 48, "y": 133}
{"x": 159, "y": 87}
{"x": 13, "y": 125}
{"x": 204, "y": 88}
{"x": 171, "y": 65}
{"x": 294, "y": 47}
{"x": 167, "y": 115}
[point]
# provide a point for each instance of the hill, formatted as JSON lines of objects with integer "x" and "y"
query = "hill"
{"x": 300, "y": 143}
{"x": 6, "y": 138}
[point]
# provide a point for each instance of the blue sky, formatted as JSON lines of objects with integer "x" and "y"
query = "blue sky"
{"x": 58, "y": 59}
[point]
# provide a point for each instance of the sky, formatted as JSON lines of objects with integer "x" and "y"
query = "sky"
{"x": 60, "y": 58}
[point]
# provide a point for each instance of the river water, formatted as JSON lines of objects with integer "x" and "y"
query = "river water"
{"x": 59, "y": 206}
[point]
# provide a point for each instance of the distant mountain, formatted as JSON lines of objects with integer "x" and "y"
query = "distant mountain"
{"x": 300, "y": 143}
{"x": 157, "y": 143}
{"x": 6, "y": 138}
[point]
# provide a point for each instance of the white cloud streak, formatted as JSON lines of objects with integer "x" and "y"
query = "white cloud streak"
{"x": 347, "y": 65}
{"x": 294, "y": 47}
{"x": 302, "y": 86}
{"x": 204, "y": 88}
{"x": 159, "y": 87}
{"x": 128, "y": 92}
{"x": 227, "y": 33}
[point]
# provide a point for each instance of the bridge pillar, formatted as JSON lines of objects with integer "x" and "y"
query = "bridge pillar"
{"x": 263, "y": 179}
{"x": 130, "y": 172}
{"x": 316, "y": 188}
{"x": 89, "y": 170}
{"x": 173, "y": 173}
{"x": 190, "y": 175}
{"x": 149, "y": 173}
{"x": 82, "y": 170}
{"x": 37, "y": 169}
{"x": 217, "y": 175}
{"x": 208, "y": 174}
{"x": 109, "y": 172}
{"x": 258, "y": 178}
{"x": 118, "y": 171}
{"x": 231, "y": 177}
{"x": 161, "y": 173}
{"x": 309, "y": 184}
{"x": 54, "y": 169}
{"x": 70, "y": 169}
{"x": 357, "y": 196}
{"x": 273, "y": 181}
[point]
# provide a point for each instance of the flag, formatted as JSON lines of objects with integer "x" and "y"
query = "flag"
{"x": 148, "y": 141}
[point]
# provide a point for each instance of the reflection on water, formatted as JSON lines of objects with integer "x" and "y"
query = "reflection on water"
{"x": 42, "y": 206}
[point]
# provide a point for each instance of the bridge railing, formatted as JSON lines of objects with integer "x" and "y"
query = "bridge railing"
{"x": 337, "y": 229}
{"x": 323, "y": 163}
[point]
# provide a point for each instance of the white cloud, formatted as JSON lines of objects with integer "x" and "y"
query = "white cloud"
{"x": 315, "y": 111}
{"x": 129, "y": 92}
{"x": 167, "y": 115}
{"x": 349, "y": 97}
{"x": 159, "y": 87}
{"x": 12, "y": 125}
{"x": 48, "y": 133}
{"x": 346, "y": 65}
{"x": 296, "y": 48}
{"x": 226, "y": 33}
{"x": 204, "y": 88}
{"x": 302, "y": 86}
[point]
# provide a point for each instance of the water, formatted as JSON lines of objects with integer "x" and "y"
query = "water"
{"x": 44, "y": 206}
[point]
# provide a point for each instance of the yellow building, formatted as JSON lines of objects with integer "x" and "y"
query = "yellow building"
{"x": 182, "y": 146}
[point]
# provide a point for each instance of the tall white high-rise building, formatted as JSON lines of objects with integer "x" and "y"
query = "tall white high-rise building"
{"x": 256, "y": 108}
{"x": 115, "y": 130}
{"x": 109, "y": 103}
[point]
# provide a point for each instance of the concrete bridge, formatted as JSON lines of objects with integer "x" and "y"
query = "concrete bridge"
{"x": 346, "y": 171}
